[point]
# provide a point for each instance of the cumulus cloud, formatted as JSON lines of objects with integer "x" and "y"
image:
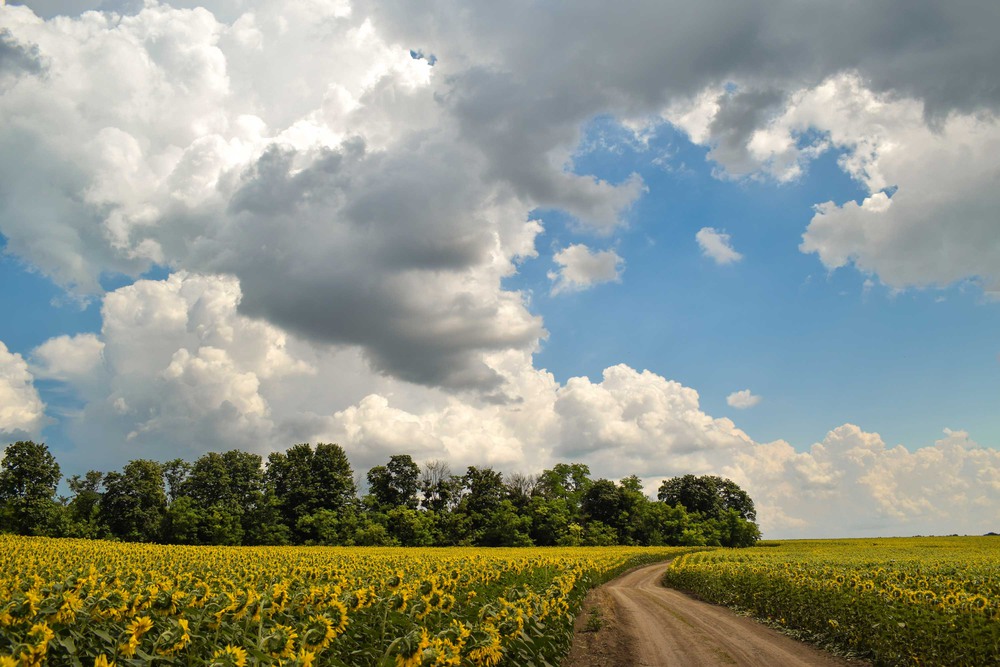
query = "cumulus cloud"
{"x": 158, "y": 135}
{"x": 916, "y": 174}
{"x": 337, "y": 203}
{"x": 339, "y": 218}
{"x": 22, "y": 413}
{"x": 917, "y": 177}
{"x": 68, "y": 357}
{"x": 852, "y": 483}
{"x": 16, "y": 58}
{"x": 581, "y": 268}
{"x": 743, "y": 399}
{"x": 178, "y": 370}
{"x": 717, "y": 245}
{"x": 174, "y": 368}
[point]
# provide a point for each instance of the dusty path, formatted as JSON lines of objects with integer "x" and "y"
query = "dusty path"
{"x": 643, "y": 623}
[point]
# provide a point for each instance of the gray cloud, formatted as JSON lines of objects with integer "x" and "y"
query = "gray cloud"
{"x": 740, "y": 114}
{"x": 360, "y": 219}
{"x": 17, "y": 58}
{"x": 641, "y": 55}
{"x": 376, "y": 249}
{"x": 364, "y": 198}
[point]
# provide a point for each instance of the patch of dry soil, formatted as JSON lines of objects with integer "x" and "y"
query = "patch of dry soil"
{"x": 644, "y": 624}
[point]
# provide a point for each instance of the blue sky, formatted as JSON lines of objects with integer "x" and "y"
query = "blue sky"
{"x": 250, "y": 223}
{"x": 816, "y": 345}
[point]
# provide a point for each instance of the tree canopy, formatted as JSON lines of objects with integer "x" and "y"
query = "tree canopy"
{"x": 308, "y": 495}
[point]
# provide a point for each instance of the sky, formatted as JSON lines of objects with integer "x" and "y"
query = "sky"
{"x": 757, "y": 241}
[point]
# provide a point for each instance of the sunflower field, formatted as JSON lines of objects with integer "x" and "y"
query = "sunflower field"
{"x": 90, "y": 603}
{"x": 904, "y": 601}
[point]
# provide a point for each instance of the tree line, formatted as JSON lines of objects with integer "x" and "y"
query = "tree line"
{"x": 308, "y": 495}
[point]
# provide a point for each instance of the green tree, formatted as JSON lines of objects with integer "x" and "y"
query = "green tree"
{"x": 520, "y": 489}
{"x": 440, "y": 491}
{"x": 264, "y": 525}
{"x": 135, "y": 502}
{"x": 84, "y": 508}
{"x": 597, "y": 534}
{"x": 412, "y": 527}
{"x": 334, "y": 477}
{"x": 735, "y": 531}
{"x": 603, "y": 502}
{"x": 709, "y": 495}
{"x": 396, "y": 483}
{"x": 568, "y": 482}
{"x": 503, "y": 526}
{"x": 175, "y": 474}
{"x": 29, "y": 475}
{"x": 728, "y": 512}
{"x": 550, "y": 520}
{"x": 182, "y": 522}
{"x": 564, "y": 480}
{"x": 305, "y": 480}
{"x": 482, "y": 492}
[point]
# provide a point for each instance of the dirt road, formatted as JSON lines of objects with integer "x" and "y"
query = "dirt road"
{"x": 643, "y": 623}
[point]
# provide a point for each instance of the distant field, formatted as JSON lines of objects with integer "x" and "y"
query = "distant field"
{"x": 900, "y": 601}
{"x": 78, "y": 602}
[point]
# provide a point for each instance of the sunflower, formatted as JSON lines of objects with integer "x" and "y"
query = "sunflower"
{"x": 318, "y": 634}
{"x": 485, "y": 649}
{"x": 175, "y": 639}
{"x": 409, "y": 649}
{"x": 280, "y": 643}
{"x": 139, "y": 626}
{"x": 231, "y": 656}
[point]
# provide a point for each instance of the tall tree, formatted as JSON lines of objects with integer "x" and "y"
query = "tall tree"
{"x": 483, "y": 491}
{"x": 439, "y": 489}
{"x": 708, "y": 495}
{"x": 29, "y": 475}
{"x": 135, "y": 501}
{"x": 175, "y": 473}
{"x": 395, "y": 484}
{"x": 333, "y": 477}
{"x": 564, "y": 480}
{"x": 729, "y": 510}
{"x": 603, "y": 501}
{"x": 215, "y": 509}
{"x": 84, "y": 507}
{"x": 305, "y": 481}
{"x": 520, "y": 488}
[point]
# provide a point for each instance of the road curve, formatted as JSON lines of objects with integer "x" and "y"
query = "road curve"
{"x": 649, "y": 625}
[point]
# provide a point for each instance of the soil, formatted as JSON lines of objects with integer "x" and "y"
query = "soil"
{"x": 638, "y": 622}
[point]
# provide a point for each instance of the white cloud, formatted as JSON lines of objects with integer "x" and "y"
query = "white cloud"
{"x": 939, "y": 226}
{"x": 938, "y": 172}
{"x": 22, "y": 413}
{"x": 184, "y": 372}
{"x": 175, "y": 371}
{"x": 299, "y": 147}
{"x": 717, "y": 245}
{"x": 65, "y": 357}
{"x": 159, "y": 137}
{"x": 581, "y": 268}
{"x": 742, "y": 399}
{"x": 852, "y": 484}
{"x": 334, "y": 270}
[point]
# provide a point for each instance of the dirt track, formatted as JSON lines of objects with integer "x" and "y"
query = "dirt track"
{"x": 643, "y": 623}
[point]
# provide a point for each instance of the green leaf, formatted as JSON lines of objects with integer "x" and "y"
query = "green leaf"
{"x": 103, "y": 635}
